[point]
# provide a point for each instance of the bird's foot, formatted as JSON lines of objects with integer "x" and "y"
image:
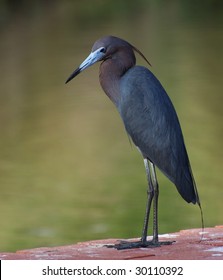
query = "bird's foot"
{"x": 138, "y": 244}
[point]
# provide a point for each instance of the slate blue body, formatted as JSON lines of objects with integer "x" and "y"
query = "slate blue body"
{"x": 151, "y": 121}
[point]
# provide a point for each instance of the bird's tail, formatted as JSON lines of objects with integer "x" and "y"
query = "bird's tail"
{"x": 197, "y": 200}
{"x": 189, "y": 192}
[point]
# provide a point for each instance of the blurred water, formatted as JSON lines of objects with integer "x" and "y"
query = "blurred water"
{"x": 67, "y": 170}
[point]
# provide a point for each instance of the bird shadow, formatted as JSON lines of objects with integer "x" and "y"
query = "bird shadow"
{"x": 123, "y": 245}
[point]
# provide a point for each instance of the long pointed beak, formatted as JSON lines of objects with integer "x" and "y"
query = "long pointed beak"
{"x": 90, "y": 60}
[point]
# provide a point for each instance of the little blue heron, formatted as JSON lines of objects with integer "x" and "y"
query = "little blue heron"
{"x": 149, "y": 119}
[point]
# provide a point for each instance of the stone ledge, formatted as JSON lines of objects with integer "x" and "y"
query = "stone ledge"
{"x": 187, "y": 246}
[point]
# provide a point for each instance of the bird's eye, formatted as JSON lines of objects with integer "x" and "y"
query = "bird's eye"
{"x": 103, "y": 50}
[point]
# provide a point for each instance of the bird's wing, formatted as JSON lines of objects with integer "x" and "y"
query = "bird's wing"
{"x": 151, "y": 121}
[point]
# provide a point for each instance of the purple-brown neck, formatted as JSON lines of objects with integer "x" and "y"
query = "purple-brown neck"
{"x": 113, "y": 68}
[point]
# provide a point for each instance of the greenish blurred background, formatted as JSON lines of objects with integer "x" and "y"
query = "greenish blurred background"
{"x": 67, "y": 170}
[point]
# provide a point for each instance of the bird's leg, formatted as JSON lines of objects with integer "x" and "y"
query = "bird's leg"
{"x": 153, "y": 193}
{"x": 155, "y": 239}
{"x": 150, "y": 194}
{"x": 155, "y": 203}
{"x": 143, "y": 242}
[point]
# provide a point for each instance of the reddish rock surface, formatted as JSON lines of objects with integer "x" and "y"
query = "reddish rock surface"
{"x": 189, "y": 245}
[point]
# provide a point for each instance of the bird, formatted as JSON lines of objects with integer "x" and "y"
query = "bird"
{"x": 150, "y": 121}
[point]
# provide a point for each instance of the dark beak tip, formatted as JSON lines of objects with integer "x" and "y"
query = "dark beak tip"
{"x": 73, "y": 75}
{"x": 67, "y": 81}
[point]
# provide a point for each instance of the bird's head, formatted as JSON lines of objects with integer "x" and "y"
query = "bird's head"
{"x": 103, "y": 49}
